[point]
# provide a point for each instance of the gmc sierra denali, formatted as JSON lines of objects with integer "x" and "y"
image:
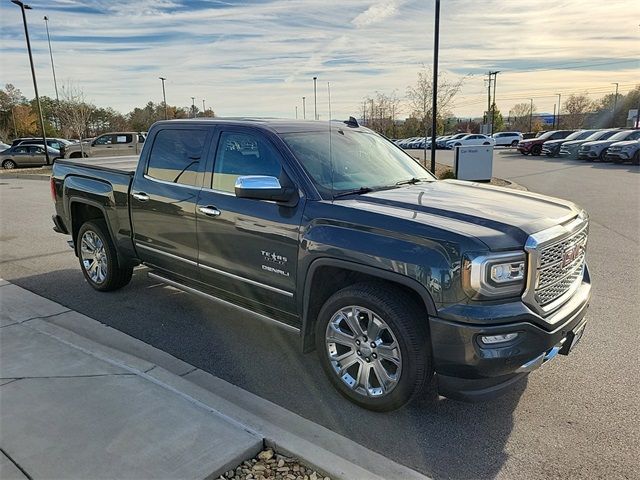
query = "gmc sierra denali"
{"x": 330, "y": 230}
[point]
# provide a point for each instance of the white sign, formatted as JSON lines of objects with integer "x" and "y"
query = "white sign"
{"x": 473, "y": 163}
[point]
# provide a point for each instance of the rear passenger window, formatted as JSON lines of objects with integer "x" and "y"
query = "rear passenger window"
{"x": 243, "y": 154}
{"x": 124, "y": 138}
{"x": 176, "y": 155}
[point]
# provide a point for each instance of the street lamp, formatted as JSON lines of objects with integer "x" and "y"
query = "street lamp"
{"x": 615, "y": 104}
{"x": 203, "y": 107}
{"x": 434, "y": 112}
{"x": 531, "y": 115}
{"x": 164, "y": 98}
{"x": 304, "y": 108}
{"x": 24, "y": 7}
{"x": 315, "y": 99}
{"x": 559, "y": 97}
{"x": 53, "y": 68}
{"x": 193, "y": 106}
{"x": 493, "y": 106}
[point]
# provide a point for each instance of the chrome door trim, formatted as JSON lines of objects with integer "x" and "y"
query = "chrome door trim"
{"x": 246, "y": 280}
{"x": 170, "y": 255}
{"x": 213, "y": 298}
{"x": 215, "y": 270}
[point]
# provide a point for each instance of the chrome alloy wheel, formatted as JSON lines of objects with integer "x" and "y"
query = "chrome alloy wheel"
{"x": 363, "y": 351}
{"x": 94, "y": 256}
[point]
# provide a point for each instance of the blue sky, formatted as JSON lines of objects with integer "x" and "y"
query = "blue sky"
{"x": 258, "y": 57}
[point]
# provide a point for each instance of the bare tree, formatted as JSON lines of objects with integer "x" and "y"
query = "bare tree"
{"x": 575, "y": 108}
{"x": 381, "y": 111}
{"x": 420, "y": 96}
{"x": 522, "y": 116}
{"x": 75, "y": 112}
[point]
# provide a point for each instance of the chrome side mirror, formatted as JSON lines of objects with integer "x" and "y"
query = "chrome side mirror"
{"x": 261, "y": 187}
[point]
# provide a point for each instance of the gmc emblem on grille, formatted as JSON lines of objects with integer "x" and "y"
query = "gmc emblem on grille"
{"x": 571, "y": 253}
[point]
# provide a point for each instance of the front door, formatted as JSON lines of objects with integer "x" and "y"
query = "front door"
{"x": 163, "y": 199}
{"x": 248, "y": 248}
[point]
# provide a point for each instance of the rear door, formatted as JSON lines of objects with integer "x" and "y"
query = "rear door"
{"x": 36, "y": 155}
{"x": 124, "y": 144}
{"x": 164, "y": 196}
{"x": 248, "y": 248}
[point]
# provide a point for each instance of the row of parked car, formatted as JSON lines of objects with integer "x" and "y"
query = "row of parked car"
{"x": 605, "y": 145}
{"x": 501, "y": 139}
{"x": 30, "y": 151}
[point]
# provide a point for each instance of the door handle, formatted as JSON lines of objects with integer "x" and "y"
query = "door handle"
{"x": 210, "y": 211}
{"x": 140, "y": 196}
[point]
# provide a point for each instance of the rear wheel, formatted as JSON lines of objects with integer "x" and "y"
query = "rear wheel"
{"x": 636, "y": 158}
{"x": 9, "y": 165}
{"x": 373, "y": 345}
{"x": 514, "y": 143}
{"x": 98, "y": 258}
{"x": 76, "y": 155}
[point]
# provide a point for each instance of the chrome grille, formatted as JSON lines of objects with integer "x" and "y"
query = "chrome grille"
{"x": 560, "y": 264}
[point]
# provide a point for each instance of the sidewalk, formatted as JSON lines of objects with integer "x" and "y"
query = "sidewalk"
{"x": 79, "y": 399}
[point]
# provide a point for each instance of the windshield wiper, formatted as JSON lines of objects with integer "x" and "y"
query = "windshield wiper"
{"x": 411, "y": 181}
{"x": 357, "y": 191}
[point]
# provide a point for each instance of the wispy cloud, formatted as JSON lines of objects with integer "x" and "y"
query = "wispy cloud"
{"x": 258, "y": 57}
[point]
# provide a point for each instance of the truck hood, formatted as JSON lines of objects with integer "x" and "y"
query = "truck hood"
{"x": 502, "y": 218}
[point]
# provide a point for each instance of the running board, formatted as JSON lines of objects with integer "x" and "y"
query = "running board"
{"x": 200, "y": 293}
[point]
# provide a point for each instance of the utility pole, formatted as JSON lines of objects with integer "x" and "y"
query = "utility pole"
{"x": 296, "y": 112}
{"x": 53, "y": 69}
{"x": 558, "y": 110}
{"x": 554, "y": 117}
{"x": 488, "y": 100}
{"x": 204, "y": 109}
{"x": 164, "y": 98}
{"x": 304, "y": 108}
{"x": 434, "y": 108}
{"x": 531, "y": 115}
{"x": 493, "y": 105}
{"x": 615, "y": 104}
{"x": 193, "y": 106}
{"x": 24, "y": 7}
{"x": 315, "y": 99}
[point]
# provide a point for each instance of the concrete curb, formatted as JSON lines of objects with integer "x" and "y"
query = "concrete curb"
{"x": 290, "y": 434}
{"x": 26, "y": 176}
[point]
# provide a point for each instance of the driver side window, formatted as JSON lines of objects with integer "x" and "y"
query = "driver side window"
{"x": 243, "y": 154}
{"x": 103, "y": 140}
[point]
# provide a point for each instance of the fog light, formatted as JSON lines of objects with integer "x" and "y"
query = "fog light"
{"x": 495, "y": 339}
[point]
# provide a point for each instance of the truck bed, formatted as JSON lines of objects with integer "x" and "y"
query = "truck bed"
{"x": 126, "y": 164}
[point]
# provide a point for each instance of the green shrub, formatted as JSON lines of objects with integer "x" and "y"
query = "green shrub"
{"x": 447, "y": 174}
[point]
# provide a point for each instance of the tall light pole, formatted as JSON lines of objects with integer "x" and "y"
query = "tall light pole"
{"x": 164, "y": 98}
{"x": 193, "y": 106}
{"x": 53, "y": 68}
{"x": 615, "y": 104}
{"x": 493, "y": 105}
{"x": 203, "y": 107}
{"x": 559, "y": 97}
{"x": 315, "y": 99}
{"x": 296, "y": 112}
{"x": 304, "y": 108}
{"x": 434, "y": 108}
{"x": 531, "y": 115}
{"x": 24, "y": 7}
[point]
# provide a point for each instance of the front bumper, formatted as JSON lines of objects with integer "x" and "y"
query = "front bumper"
{"x": 551, "y": 152}
{"x": 468, "y": 370}
{"x": 618, "y": 156}
{"x": 524, "y": 148}
{"x": 589, "y": 154}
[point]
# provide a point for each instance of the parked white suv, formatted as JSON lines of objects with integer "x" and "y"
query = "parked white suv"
{"x": 507, "y": 139}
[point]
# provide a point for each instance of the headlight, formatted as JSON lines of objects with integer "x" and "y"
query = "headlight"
{"x": 494, "y": 275}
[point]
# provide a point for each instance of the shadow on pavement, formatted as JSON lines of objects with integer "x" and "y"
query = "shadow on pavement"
{"x": 439, "y": 437}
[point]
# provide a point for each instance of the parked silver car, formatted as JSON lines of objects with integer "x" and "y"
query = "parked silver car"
{"x": 26, "y": 156}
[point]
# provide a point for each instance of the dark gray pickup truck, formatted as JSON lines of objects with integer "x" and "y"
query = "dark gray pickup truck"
{"x": 332, "y": 231}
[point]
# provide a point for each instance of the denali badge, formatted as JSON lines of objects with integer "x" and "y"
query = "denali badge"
{"x": 572, "y": 253}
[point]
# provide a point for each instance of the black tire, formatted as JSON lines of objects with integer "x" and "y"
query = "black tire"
{"x": 115, "y": 277}
{"x": 514, "y": 143}
{"x": 405, "y": 320}
{"x": 636, "y": 158}
{"x": 603, "y": 156}
{"x": 76, "y": 155}
{"x": 536, "y": 149}
{"x": 9, "y": 164}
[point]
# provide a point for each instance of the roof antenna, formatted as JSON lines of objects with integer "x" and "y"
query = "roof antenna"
{"x": 330, "y": 146}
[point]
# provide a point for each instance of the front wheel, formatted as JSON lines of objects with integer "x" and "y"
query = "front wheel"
{"x": 9, "y": 165}
{"x": 98, "y": 258}
{"x": 373, "y": 344}
{"x": 536, "y": 150}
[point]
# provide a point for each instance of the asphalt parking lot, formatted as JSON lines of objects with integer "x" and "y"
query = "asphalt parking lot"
{"x": 576, "y": 417}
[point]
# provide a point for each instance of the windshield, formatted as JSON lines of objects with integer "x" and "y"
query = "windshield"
{"x": 545, "y": 135}
{"x": 359, "y": 159}
{"x": 621, "y": 135}
{"x": 602, "y": 135}
{"x": 579, "y": 135}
